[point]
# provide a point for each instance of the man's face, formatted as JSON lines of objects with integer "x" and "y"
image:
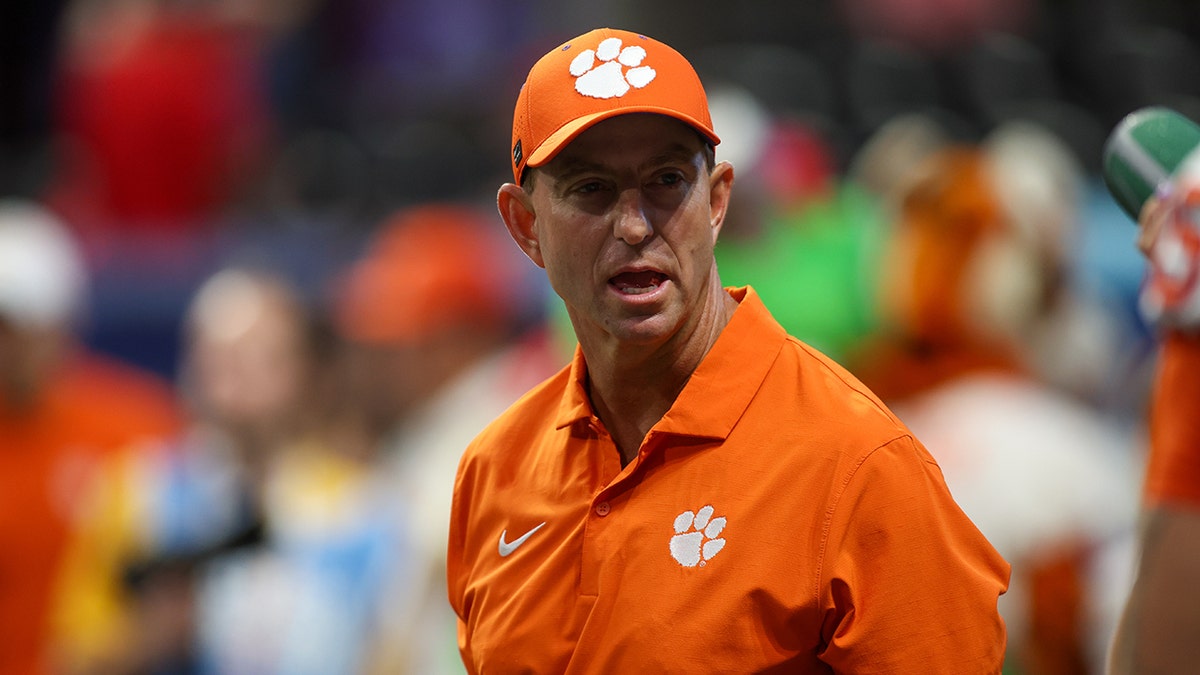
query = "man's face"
{"x": 625, "y": 219}
{"x": 29, "y": 356}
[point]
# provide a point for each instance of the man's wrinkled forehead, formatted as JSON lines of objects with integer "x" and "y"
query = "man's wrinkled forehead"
{"x": 594, "y": 149}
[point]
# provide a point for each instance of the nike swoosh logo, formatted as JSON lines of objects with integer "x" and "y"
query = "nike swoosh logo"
{"x": 506, "y": 548}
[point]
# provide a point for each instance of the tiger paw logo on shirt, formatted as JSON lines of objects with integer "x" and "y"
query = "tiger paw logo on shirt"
{"x": 697, "y": 537}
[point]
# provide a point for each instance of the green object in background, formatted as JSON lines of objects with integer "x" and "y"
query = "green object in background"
{"x": 816, "y": 270}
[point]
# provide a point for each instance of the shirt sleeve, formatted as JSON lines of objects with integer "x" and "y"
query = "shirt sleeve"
{"x": 1173, "y": 467}
{"x": 909, "y": 584}
{"x": 456, "y": 571}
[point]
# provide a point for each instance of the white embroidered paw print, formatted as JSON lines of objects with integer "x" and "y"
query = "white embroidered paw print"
{"x": 697, "y": 537}
{"x": 610, "y": 79}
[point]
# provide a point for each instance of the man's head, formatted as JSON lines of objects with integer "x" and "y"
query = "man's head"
{"x": 43, "y": 289}
{"x": 252, "y": 355}
{"x": 43, "y": 278}
{"x": 437, "y": 289}
{"x": 593, "y": 77}
{"x": 628, "y": 199}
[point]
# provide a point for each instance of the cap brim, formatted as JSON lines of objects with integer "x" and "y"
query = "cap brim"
{"x": 571, "y": 130}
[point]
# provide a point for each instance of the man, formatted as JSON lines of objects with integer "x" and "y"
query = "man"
{"x": 433, "y": 315}
{"x": 65, "y": 410}
{"x": 971, "y": 278}
{"x": 1152, "y": 168}
{"x": 257, "y": 539}
{"x": 697, "y": 491}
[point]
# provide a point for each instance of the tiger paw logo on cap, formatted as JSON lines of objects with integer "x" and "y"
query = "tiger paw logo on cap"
{"x": 610, "y": 79}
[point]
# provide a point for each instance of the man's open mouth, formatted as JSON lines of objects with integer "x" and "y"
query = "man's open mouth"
{"x": 637, "y": 283}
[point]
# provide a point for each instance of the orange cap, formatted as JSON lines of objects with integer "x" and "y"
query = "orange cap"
{"x": 429, "y": 268}
{"x": 598, "y": 75}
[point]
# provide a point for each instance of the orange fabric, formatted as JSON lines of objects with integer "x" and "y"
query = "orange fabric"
{"x": 47, "y": 456}
{"x": 1173, "y": 469}
{"x": 896, "y": 370}
{"x": 945, "y": 220}
{"x": 840, "y": 548}
{"x": 1058, "y": 614}
{"x": 597, "y": 75}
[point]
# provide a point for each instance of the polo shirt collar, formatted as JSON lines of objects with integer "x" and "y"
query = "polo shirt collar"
{"x": 721, "y": 387}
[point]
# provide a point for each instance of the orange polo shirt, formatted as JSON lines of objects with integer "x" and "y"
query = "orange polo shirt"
{"x": 778, "y": 518}
{"x": 1173, "y": 469}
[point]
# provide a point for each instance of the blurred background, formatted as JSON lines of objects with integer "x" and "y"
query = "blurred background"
{"x": 230, "y": 206}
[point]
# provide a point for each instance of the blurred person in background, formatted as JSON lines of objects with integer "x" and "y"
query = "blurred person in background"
{"x": 64, "y": 411}
{"x": 160, "y": 129}
{"x": 1072, "y": 340}
{"x": 314, "y": 595}
{"x": 971, "y": 268}
{"x": 443, "y": 336}
{"x": 250, "y": 543}
{"x": 1075, "y": 340}
{"x": 1162, "y": 618}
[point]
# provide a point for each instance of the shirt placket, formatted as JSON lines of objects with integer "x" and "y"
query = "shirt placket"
{"x": 602, "y": 518}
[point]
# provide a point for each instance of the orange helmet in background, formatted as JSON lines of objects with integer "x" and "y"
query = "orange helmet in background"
{"x": 428, "y": 269}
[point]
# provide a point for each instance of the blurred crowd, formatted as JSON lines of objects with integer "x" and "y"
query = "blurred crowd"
{"x": 255, "y": 299}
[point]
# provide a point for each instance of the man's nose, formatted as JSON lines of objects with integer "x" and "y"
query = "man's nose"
{"x": 632, "y": 224}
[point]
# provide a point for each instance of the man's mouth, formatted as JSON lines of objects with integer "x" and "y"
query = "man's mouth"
{"x": 637, "y": 283}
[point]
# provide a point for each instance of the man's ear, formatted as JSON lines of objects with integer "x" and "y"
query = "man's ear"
{"x": 720, "y": 187}
{"x": 516, "y": 209}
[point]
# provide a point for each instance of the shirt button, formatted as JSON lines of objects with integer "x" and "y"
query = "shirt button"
{"x": 602, "y": 509}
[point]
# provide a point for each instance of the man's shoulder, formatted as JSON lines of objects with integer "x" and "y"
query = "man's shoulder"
{"x": 823, "y": 402}
{"x": 823, "y": 376}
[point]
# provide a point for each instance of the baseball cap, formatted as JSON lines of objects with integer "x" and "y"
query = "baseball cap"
{"x": 429, "y": 268}
{"x": 43, "y": 278}
{"x": 598, "y": 75}
{"x": 1142, "y": 151}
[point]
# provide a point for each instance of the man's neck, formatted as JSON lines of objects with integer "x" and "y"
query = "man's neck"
{"x": 631, "y": 388}
{"x": 631, "y": 403}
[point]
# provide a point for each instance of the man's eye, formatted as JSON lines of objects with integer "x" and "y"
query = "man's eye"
{"x": 589, "y": 187}
{"x": 670, "y": 178}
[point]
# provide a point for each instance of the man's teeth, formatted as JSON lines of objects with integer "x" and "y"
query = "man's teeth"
{"x": 637, "y": 290}
{"x": 638, "y": 283}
